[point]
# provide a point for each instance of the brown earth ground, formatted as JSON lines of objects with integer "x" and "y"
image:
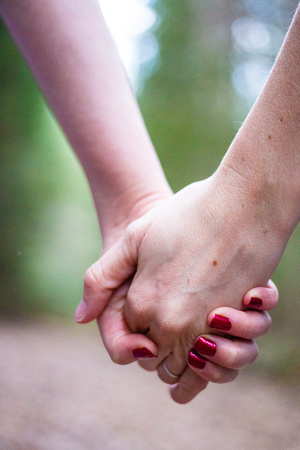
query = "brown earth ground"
{"x": 59, "y": 390}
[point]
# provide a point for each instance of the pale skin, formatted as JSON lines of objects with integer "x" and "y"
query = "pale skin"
{"x": 99, "y": 115}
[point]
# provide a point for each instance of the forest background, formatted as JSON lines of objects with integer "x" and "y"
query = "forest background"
{"x": 200, "y": 66}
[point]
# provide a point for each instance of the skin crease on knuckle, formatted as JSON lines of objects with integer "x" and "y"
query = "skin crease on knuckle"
{"x": 238, "y": 357}
{"x": 90, "y": 279}
{"x": 169, "y": 329}
{"x": 175, "y": 329}
{"x": 251, "y": 332}
{"x": 95, "y": 277}
{"x": 136, "y": 231}
{"x": 221, "y": 375}
{"x": 137, "y": 310}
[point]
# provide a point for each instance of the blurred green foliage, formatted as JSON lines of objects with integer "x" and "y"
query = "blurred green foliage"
{"x": 49, "y": 232}
{"x": 186, "y": 101}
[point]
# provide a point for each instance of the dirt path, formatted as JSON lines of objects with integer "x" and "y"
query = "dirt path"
{"x": 59, "y": 390}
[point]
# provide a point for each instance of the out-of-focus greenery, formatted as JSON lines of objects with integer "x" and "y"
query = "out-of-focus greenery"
{"x": 49, "y": 232}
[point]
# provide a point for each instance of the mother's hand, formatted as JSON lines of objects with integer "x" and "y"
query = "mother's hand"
{"x": 215, "y": 358}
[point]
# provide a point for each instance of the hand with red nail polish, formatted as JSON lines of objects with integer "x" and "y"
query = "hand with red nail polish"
{"x": 216, "y": 358}
{"x": 223, "y": 356}
{"x": 169, "y": 296}
{"x": 169, "y": 260}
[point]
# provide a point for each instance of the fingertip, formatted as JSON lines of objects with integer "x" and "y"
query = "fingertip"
{"x": 210, "y": 317}
{"x": 255, "y": 302}
{"x": 182, "y": 393}
{"x": 271, "y": 285}
{"x": 262, "y": 298}
{"x": 81, "y": 312}
{"x": 182, "y": 400}
{"x": 84, "y": 314}
{"x": 132, "y": 347}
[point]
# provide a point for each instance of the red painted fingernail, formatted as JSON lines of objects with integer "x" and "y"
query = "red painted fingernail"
{"x": 255, "y": 302}
{"x": 196, "y": 360}
{"x": 220, "y": 323}
{"x": 143, "y": 353}
{"x": 205, "y": 346}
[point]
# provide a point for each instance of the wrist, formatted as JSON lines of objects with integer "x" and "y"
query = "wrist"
{"x": 268, "y": 194}
{"x": 116, "y": 212}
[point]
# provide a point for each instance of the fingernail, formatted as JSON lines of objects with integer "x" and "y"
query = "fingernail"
{"x": 143, "y": 353}
{"x": 195, "y": 360}
{"x": 80, "y": 311}
{"x": 205, "y": 346}
{"x": 255, "y": 302}
{"x": 220, "y": 323}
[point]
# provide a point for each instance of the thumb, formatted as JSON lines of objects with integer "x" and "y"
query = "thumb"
{"x": 123, "y": 346}
{"x": 104, "y": 276}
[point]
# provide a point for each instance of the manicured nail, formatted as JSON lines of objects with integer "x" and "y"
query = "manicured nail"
{"x": 195, "y": 360}
{"x": 255, "y": 302}
{"x": 143, "y": 353}
{"x": 205, "y": 346}
{"x": 220, "y": 323}
{"x": 80, "y": 311}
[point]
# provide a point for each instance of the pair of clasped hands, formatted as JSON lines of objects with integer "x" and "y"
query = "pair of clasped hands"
{"x": 154, "y": 290}
{"x": 175, "y": 287}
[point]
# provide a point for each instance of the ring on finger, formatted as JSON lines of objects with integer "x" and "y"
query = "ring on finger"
{"x": 169, "y": 373}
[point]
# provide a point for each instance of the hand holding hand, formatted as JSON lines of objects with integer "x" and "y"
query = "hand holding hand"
{"x": 215, "y": 358}
{"x": 183, "y": 272}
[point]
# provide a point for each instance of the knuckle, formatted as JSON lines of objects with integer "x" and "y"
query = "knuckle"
{"x": 170, "y": 328}
{"x": 90, "y": 280}
{"x": 257, "y": 325}
{"x": 233, "y": 359}
{"x": 223, "y": 375}
{"x": 138, "y": 305}
{"x": 237, "y": 358}
{"x": 94, "y": 277}
{"x": 174, "y": 321}
{"x": 131, "y": 229}
{"x": 217, "y": 376}
{"x": 134, "y": 232}
{"x": 138, "y": 311}
{"x": 166, "y": 327}
{"x": 265, "y": 325}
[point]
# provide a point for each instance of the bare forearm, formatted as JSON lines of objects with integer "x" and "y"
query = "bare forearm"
{"x": 264, "y": 159}
{"x": 74, "y": 60}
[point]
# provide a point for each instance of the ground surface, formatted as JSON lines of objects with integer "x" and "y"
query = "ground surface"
{"x": 59, "y": 390}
